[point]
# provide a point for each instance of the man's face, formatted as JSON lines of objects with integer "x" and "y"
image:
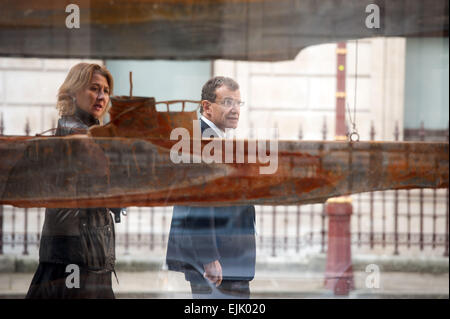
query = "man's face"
{"x": 221, "y": 115}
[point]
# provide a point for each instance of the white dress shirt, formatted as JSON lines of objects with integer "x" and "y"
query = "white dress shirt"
{"x": 218, "y": 131}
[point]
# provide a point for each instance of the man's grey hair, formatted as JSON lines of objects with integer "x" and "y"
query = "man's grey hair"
{"x": 210, "y": 87}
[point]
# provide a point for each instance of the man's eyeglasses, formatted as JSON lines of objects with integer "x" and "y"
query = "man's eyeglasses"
{"x": 227, "y": 102}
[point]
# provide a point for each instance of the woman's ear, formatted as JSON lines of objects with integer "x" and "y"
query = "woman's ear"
{"x": 73, "y": 96}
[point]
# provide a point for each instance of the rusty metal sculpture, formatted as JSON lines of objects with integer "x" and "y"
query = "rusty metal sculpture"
{"x": 251, "y": 30}
{"x": 129, "y": 162}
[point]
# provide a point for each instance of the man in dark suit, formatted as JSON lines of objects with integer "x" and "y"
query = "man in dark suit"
{"x": 215, "y": 246}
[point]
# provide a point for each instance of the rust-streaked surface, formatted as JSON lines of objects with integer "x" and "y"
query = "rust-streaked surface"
{"x": 120, "y": 172}
{"x": 252, "y": 30}
{"x": 127, "y": 162}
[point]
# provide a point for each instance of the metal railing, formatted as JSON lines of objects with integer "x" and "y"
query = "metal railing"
{"x": 393, "y": 222}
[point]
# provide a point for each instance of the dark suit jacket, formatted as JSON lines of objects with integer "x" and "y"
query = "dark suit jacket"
{"x": 200, "y": 235}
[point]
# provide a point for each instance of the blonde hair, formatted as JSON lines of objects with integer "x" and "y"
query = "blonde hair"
{"x": 79, "y": 77}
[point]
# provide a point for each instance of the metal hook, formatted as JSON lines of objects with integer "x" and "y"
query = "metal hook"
{"x": 354, "y": 136}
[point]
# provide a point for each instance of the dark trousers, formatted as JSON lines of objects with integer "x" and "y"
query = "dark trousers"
{"x": 201, "y": 288}
{"x": 49, "y": 282}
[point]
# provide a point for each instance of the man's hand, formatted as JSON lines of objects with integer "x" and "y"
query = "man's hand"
{"x": 213, "y": 272}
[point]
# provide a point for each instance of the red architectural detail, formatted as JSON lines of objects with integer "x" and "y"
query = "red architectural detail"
{"x": 339, "y": 271}
{"x": 341, "y": 71}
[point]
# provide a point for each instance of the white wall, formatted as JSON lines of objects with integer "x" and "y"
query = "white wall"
{"x": 301, "y": 92}
{"x": 28, "y": 89}
{"x": 426, "y": 85}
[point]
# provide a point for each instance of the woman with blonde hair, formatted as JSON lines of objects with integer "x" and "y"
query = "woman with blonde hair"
{"x": 77, "y": 248}
{"x": 84, "y": 96}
